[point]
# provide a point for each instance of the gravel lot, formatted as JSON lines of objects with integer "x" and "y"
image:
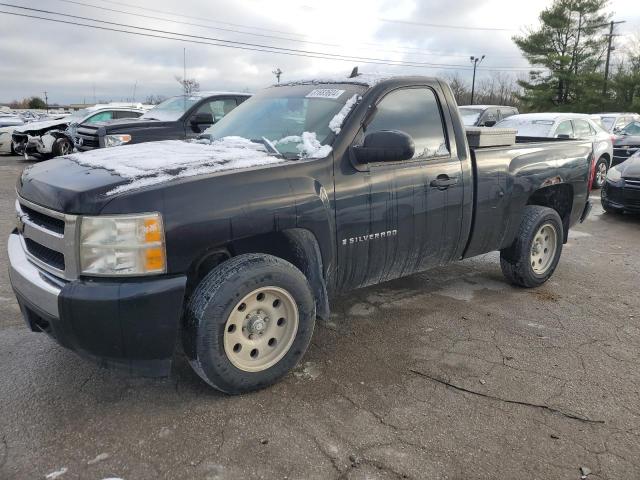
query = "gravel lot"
{"x": 448, "y": 374}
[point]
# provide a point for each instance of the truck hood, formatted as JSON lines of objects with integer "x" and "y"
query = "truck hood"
{"x": 83, "y": 182}
{"x": 37, "y": 126}
{"x": 630, "y": 168}
{"x": 127, "y": 124}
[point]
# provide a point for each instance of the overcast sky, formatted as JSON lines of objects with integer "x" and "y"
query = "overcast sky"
{"x": 71, "y": 62}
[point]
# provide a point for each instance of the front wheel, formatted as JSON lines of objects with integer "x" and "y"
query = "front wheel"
{"x": 535, "y": 253}
{"x": 600, "y": 173}
{"x": 62, "y": 146}
{"x": 248, "y": 322}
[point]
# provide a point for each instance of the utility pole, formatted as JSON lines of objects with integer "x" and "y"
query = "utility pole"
{"x": 475, "y": 61}
{"x": 46, "y": 101}
{"x": 610, "y": 48}
{"x": 277, "y": 72}
{"x": 135, "y": 85}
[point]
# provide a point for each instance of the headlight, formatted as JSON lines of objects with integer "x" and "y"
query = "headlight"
{"x": 115, "y": 140}
{"x": 122, "y": 245}
{"x": 614, "y": 175}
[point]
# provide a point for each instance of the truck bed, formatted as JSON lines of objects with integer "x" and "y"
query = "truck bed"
{"x": 504, "y": 177}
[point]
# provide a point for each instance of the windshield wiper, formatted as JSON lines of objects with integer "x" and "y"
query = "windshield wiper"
{"x": 268, "y": 144}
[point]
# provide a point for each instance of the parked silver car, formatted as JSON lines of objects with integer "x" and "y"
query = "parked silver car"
{"x": 567, "y": 125}
{"x": 614, "y": 122}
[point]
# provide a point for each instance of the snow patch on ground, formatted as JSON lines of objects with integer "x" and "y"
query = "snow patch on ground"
{"x": 336, "y": 122}
{"x": 151, "y": 163}
{"x": 56, "y": 474}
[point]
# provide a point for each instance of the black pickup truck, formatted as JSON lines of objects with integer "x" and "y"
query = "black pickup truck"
{"x": 234, "y": 244}
{"x": 180, "y": 117}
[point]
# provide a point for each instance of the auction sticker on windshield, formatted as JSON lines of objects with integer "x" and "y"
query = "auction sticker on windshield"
{"x": 331, "y": 93}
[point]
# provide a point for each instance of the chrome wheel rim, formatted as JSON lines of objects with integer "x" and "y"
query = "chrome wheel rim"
{"x": 64, "y": 148}
{"x": 601, "y": 174}
{"x": 260, "y": 329}
{"x": 543, "y": 248}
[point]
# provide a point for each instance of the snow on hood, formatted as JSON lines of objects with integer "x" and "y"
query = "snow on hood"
{"x": 145, "y": 164}
{"x": 40, "y": 125}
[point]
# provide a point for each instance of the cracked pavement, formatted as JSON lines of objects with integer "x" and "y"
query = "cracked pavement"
{"x": 450, "y": 374}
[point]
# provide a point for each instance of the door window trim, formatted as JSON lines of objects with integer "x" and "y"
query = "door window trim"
{"x": 369, "y": 118}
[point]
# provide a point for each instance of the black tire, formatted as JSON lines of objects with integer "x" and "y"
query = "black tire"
{"x": 213, "y": 300}
{"x": 598, "y": 180}
{"x": 515, "y": 260}
{"x": 62, "y": 146}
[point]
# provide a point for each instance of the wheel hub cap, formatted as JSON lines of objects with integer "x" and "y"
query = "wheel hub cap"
{"x": 543, "y": 249}
{"x": 261, "y": 329}
{"x": 257, "y": 322}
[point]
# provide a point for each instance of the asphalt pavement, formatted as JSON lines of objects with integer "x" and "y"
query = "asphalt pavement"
{"x": 448, "y": 374}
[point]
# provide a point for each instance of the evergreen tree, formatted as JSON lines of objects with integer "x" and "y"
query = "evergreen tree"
{"x": 569, "y": 46}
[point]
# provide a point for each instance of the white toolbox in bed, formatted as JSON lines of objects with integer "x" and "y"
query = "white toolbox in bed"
{"x": 479, "y": 137}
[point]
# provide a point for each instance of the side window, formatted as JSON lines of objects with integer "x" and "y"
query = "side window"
{"x": 217, "y": 108}
{"x": 416, "y": 112}
{"x": 123, "y": 114}
{"x": 100, "y": 117}
{"x": 581, "y": 129}
{"x": 564, "y": 128}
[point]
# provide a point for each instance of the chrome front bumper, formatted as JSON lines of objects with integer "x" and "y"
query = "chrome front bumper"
{"x": 30, "y": 282}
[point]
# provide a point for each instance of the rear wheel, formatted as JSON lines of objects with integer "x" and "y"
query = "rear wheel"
{"x": 248, "y": 322}
{"x": 534, "y": 255}
{"x": 600, "y": 173}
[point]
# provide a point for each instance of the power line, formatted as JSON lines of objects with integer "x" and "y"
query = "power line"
{"x": 230, "y": 43}
{"x": 406, "y": 50}
{"x": 451, "y": 27}
{"x": 430, "y": 25}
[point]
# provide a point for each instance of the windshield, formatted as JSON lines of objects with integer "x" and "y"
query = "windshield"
{"x": 632, "y": 129}
{"x": 608, "y": 122}
{"x": 288, "y": 116}
{"x": 76, "y": 117}
{"x": 527, "y": 127}
{"x": 470, "y": 115}
{"x": 171, "y": 109}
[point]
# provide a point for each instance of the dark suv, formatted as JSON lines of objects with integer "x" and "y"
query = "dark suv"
{"x": 177, "y": 118}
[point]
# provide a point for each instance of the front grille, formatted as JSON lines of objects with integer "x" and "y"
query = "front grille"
{"x": 632, "y": 182}
{"x": 86, "y": 138}
{"x": 625, "y": 152}
{"x": 54, "y": 224}
{"x": 48, "y": 238}
{"x": 45, "y": 254}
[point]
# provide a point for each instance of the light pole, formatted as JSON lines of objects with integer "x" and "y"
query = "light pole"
{"x": 475, "y": 61}
{"x": 277, "y": 72}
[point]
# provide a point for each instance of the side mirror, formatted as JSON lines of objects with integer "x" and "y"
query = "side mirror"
{"x": 489, "y": 123}
{"x": 617, "y": 130}
{"x": 385, "y": 146}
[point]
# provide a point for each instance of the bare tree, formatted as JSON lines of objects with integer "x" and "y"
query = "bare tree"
{"x": 189, "y": 85}
{"x": 154, "y": 99}
{"x": 459, "y": 86}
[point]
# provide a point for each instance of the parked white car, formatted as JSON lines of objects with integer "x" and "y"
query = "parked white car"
{"x": 567, "y": 125}
{"x": 53, "y": 137}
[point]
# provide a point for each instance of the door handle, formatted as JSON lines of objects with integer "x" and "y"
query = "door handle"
{"x": 444, "y": 181}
